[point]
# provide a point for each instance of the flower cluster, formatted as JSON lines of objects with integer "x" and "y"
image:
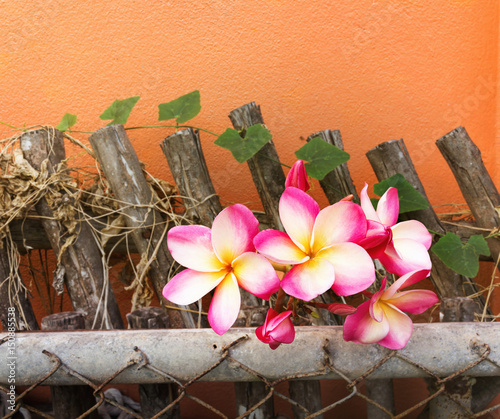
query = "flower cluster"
{"x": 319, "y": 250}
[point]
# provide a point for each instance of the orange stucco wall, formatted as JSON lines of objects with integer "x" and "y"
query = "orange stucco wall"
{"x": 376, "y": 70}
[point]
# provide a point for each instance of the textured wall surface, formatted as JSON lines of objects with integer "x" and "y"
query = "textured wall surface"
{"x": 376, "y": 70}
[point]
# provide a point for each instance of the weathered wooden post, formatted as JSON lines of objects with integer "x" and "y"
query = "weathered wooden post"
{"x": 13, "y": 294}
{"x": 70, "y": 402}
{"x": 483, "y": 199}
{"x": 124, "y": 173}
{"x": 154, "y": 397}
{"x": 189, "y": 169}
{"x": 458, "y": 389}
{"x": 265, "y": 167}
{"x": 337, "y": 185}
{"x": 392, "y": 157}
{"x": 80, "y": 263}
{"x": 269, "y": 180}
{"x": 476, "y": 185}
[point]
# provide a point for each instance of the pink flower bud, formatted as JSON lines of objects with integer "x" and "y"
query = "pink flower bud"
{"x": 277, "y": 329}
{"x": 341, "y": 309}
{"x": 297, "y": 177}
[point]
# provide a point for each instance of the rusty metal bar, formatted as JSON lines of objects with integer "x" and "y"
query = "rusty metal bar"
{"x": 443, "y": 348}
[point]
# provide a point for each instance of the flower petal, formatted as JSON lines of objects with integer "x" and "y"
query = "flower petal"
{"x": 309, "y": 279}
{"x": 414, "y": 301}
{"x": 388, "y": 207}
{"x": 376, "y": 309}
{"x": 339, "y": 223}
{"x": 376, "y": 240}
{"x": 189, "y": 286}
{"x": 262, "y": 335}
{"x": 354, "y": 270}
{"x": 298, "y": 212}
{"x": 413, "y": 257}
{"x": 255, "y": 274}
{"x": 367, "y": 205}
{"x": 233, "y": 231}
{"x": 191, "y": 246}
{"x": 277, "y": 246}
{"x": 400, "y": 329}
{"x": 413, "y": 230}
{"x": 405, "y": 281}
{"x": 225, "y": 305}
{"x": 361, "y": 328}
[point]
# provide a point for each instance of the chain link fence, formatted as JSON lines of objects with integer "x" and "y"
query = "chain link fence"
{"x": 441, "y": 353}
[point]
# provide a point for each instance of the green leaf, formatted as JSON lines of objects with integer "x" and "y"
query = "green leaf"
{"x": 409, "y": 198}
{"x": 67, "y": 121}
{"x": 181, "y": 109}
{"x": 256, "y": 137}
{"x": 322, "y": 157}
{"x": 480, "y": 245}
{"x": 119, "y": 110}
{"x": 461, "y": 257}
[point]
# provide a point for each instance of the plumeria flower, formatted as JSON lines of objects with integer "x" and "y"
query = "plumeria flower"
{"x": 401, "y": 247}
{"x": 319, "y": 245}
{"x": 297, "y": 177}
{"x": 277, "y": 329}
{"x": 381, "y": 319}
{"x": 222, "y": 258}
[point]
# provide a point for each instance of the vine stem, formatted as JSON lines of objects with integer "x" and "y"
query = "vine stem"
{"x": 12, "y": 126}
{"x": 174, "y": 126}
{"x": 435, "y": 232}
{"x": 280, "y": 299}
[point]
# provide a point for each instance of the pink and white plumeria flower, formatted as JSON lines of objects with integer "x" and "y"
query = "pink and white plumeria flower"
{"x": 222, "y": 258}
{"x": 277, "y": 329}
{"x": 297, "y": 177}
{"x": 319, "y": 245}
{"x": 401, "y": 247}
{"x": 381, "y": 319}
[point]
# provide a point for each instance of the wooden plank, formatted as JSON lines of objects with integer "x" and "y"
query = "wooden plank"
{"x": 81, "y": 263}
{"x": 122, "y": 169}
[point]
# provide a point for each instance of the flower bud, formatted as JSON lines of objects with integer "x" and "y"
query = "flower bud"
{"x": 297, "y": 177}
{"x": 277, "y": 329}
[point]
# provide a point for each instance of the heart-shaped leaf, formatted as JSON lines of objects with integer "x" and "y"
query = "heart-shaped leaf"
{"x": 459, "y": 256}
{"x": 409, "y": 198}
{"x": 67, "y": 121}
{"x": 181, "y": 109}
{"x": 321, "y": 157}
{"x": 243, "y": 148}
{"x": 119, "y": 110}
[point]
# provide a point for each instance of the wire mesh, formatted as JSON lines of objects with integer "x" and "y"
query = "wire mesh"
{"x": 481, "y": 353}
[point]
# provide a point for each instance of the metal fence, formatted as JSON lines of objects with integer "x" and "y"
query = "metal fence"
{"x": 440, "y": 352}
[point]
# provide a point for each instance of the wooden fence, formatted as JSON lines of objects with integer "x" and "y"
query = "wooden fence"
{"x": 82, "y": 267}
